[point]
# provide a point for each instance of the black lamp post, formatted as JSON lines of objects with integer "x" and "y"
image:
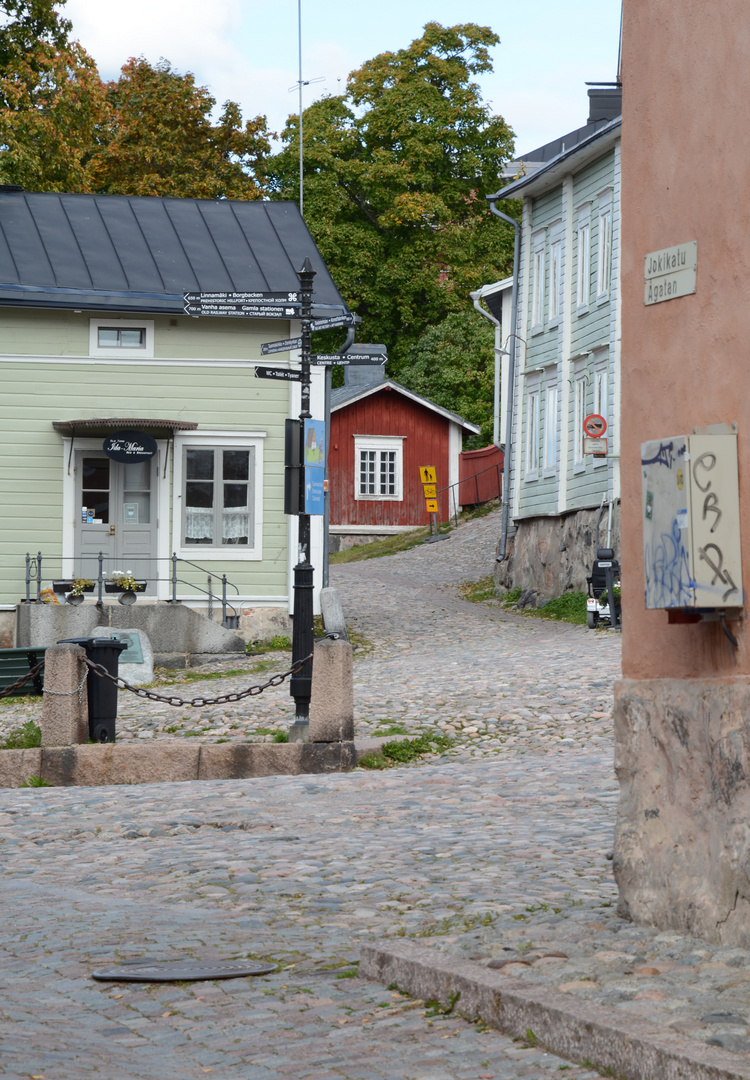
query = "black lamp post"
{"x": 302, "y": 632}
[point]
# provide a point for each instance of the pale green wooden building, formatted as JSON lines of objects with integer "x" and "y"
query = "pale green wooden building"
{"x": 95, "y": 342}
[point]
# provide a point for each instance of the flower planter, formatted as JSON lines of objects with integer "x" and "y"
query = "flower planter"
{"x": 111, "y": 587}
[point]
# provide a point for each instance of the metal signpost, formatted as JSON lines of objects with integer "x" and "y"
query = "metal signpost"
{"x": 300, "y": 686}
{"x": 248, "y": 305}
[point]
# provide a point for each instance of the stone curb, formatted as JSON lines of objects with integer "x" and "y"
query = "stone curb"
{"x": 170, "y": 761}
{"x": 578, "y": 1030}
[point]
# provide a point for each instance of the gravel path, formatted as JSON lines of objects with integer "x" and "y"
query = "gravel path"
{"x": 496, "y": 850}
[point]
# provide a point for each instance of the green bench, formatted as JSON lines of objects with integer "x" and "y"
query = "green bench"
{"x": 17, "y": 662}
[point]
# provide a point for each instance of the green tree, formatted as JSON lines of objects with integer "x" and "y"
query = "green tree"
{"x": 160, "y": 139}
{"x": 453, "y": 364}
{"x": 396, "y": 170}
{"x": 52, "y": 101}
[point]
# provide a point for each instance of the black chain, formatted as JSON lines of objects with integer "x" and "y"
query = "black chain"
{"x": 8, "y": 690}
{"x": 199, "y": 702}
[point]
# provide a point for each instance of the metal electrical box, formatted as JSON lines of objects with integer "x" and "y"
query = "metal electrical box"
{"x": 691, "y": 521}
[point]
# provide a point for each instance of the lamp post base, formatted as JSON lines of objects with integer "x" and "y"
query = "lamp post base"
{"x": 300, "y": 731}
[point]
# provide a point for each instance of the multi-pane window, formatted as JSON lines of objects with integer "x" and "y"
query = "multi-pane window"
{"x": 537, "y": 284}
{"x": 218, "y": 496}
{"x": 550, "y": 428}
{"x": 605, "y": 251}
{"x": 378, "y": 467}
{"x": 555, "y": 279}
{"x": 377, "y": 472}
{"x": 584, "y": 260}
{"x": 579, "y": 415}
{"x": 113, "y": 337}
{"x": 126, "y": 339}
{"x": 532, "y": 434}
{"x": 600, "y": 392}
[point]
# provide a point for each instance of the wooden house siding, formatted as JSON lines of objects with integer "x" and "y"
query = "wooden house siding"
{"x": 591, "y": 336}
{"x": 426, "y": 442}
{"x": 37, "y": 392}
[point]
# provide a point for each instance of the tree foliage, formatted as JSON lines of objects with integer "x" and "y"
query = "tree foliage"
{"x": 396, "y": 170}
{"x": 52, "y": 101}
{"x": 453, "y": 364}
{"x": 147, "y": 133}
{"x": 160, "y": 139}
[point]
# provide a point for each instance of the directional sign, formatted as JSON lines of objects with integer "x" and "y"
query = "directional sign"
{"x": 281, "y": 346}
{"x": 594, "y": 426}
{"x": 248, "y": 305}
{"x": 322, "y": 359}
{"x": 280, "y": 374}
{"x": 332, "y": 322}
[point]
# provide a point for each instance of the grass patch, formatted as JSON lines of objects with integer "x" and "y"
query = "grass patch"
{"x": 392, "y": 729}
{"x": 25, "y": 737}
{"x": 390, "y": 545}
{"x": 478, "y": 591}
{"x": 281, "y": 736}
{"x": 195, "y": 676}
{"x": 570, "y": 607}
{"x": 405, "y": 751}
{"x": 278, "y": 643}
{"x": 35, "y": 781}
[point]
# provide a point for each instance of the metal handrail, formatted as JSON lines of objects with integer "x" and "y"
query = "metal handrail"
{"x": 467, "y": 480}
{"x": 34, "y": 565}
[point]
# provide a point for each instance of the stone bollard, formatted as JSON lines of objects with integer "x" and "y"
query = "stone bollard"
{"x": 333, "y": 613}
{"x": 332, "y": 700}
{"x": 65, "y": 709}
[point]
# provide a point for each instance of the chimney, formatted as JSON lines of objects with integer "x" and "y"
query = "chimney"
{"x": 605, "y": 102}
{"x": 364, "y": 375}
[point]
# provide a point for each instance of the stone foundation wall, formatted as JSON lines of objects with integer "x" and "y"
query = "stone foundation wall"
{"x": 682, "y": 842}
{"x": 553, "y": 555}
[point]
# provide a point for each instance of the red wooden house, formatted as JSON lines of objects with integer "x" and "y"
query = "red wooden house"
{"x": 381, "y": 433}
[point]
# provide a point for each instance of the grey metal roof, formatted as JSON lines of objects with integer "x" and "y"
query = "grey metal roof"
{"x": 549, "y": 172}
{"x": 141, "y": 253}
{"x": 345, "y": 395}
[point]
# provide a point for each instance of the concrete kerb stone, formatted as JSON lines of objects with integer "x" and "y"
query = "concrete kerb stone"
{"x": 578, "y": 1030}
{"x": 171, "y": 761}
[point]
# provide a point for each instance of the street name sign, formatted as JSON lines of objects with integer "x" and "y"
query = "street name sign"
{"x": 248, "y": 305}
{"x": 280, "y": 374}
{"x": 670, "y": 272}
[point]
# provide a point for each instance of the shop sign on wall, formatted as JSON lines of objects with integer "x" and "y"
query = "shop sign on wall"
{"x": 670, "y": 272}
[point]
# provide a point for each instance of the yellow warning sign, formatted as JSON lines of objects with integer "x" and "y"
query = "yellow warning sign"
{"x": 430, "y": 491}
{"x": 431, "y": 506}
{"x": 427, "y": 474}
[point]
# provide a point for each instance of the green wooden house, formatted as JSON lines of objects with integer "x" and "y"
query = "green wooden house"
{"x": 566, "y": 355}
{"x": 97, "y": 351}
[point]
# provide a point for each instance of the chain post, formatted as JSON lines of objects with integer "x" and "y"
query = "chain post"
{"x": 174, "y": 577}
{"x": 28, "y": 577}
{"x": 100, "y": 580}
{"x": 38, "y": 577}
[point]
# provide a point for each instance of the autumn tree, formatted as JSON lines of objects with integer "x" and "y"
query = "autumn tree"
{"x": 52, "y": 102}
{"x": 396, "y": 170}
{"x": 160, "y": 139}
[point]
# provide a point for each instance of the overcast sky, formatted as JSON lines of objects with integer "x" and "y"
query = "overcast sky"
{"x": 247, "y": 50}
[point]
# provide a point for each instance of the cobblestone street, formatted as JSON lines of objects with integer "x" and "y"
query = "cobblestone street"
{"x": 495, "y": 850}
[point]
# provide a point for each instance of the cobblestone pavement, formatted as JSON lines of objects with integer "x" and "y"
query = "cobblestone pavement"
{"x": 496, "y": 850}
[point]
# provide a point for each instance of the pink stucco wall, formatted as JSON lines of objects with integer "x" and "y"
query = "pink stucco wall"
{"x": 686, "y": 362}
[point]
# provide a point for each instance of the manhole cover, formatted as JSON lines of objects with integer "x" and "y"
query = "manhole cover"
{"x": 182, "y": 971}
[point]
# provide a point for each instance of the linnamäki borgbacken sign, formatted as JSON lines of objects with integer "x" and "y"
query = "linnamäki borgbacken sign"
{"x": 248, "y": 305}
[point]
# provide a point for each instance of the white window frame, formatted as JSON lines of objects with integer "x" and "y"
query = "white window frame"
{"x": 583, "y": 259}
{"x": 380, "y": 444}
{"x": 580, "y": 380}
{"x": 550, "y": 448}
{"x": 555, "y": 274}
{"x": 538, "y": 273}
{"x": 601, "y": 400}
{"x": 531, "y": 464}
{"x": 604, "y": 241}
{"x": 145, "y": 352}
{"x": 212, "y": 441}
